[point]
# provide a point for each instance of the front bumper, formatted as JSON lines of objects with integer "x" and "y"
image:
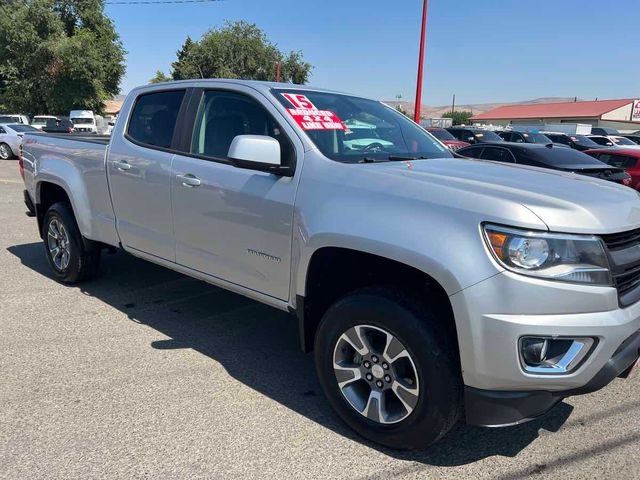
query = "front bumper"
{"x": 490, "y": 408}
{"x": 493, "y": 315}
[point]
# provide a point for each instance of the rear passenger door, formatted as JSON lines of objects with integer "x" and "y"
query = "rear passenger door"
{"x": 234, "y": 224}
{"x": 139, "y": 169}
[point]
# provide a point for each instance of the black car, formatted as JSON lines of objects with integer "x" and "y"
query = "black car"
{"x": 634, "y": 138}
{"x": 473, "y": 135}
{"x": 546, "y": 156}
{"x": 58, "y": 125}
{"x": 601, "y": 141}
{"x": 579, "y": 142}
{"x": 604, "y": 131}
{"x": 524, "y": 137}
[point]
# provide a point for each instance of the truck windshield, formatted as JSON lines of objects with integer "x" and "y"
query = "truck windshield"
{"x": 82, "y": 121}
{"x": 354, "y": 129}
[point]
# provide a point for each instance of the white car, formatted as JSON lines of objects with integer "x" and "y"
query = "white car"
{"x": 14, "y": 118}
{"x": 11, "y": 138}
{"x": 614, "y": 141}
{"x": 40, "y": 121}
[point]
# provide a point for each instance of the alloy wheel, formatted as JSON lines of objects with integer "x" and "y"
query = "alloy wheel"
{"x": 58, "y": 244}
{"x": 376, "y": 374}
{"x": 4, "y": 152}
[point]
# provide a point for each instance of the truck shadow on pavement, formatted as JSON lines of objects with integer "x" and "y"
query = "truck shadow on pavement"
{"x": 258, "y": 346}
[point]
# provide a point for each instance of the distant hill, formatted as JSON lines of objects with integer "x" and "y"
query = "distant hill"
{"x": 437, "y": 112}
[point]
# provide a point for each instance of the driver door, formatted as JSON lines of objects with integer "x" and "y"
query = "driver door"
{"x": 234, "y": 224}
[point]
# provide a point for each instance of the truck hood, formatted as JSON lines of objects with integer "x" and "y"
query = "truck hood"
{"x": 565, "y": 202}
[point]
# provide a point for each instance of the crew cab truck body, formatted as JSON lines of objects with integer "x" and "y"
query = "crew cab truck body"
{"x": 428, "y": 287}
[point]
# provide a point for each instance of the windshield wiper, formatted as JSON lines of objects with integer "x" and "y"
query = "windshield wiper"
{"x": 371, "y": 160}
{"x": 397, "y": 158}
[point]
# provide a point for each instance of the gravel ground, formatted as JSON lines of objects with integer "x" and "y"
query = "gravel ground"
{"x": 146, "y": 373}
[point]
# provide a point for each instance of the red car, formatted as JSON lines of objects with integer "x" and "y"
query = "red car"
{"x": 445, "y": 137}
{"x": 627, "y": 158}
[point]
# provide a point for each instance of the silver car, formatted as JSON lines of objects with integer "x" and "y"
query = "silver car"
{"x": 11, "y": 138}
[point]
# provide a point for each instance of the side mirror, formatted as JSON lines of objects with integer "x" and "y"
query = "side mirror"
{"x": 257, "y": 152}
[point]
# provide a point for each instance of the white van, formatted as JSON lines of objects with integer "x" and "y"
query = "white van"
{"x": 84, "y": 121}
{"x": 40, "y": 121}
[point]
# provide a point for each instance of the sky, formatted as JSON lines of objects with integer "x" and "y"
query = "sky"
{"x": 481, "y": 50}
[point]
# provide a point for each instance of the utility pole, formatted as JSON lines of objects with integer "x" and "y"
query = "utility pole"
{"x": 453, "y": 103}
{"x": 278, "y": 72}
{"x": 418, "y": 103}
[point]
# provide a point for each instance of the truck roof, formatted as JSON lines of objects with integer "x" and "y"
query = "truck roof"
{"x": 259, "y": 85}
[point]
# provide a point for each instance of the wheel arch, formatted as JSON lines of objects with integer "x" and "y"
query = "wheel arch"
{"x": 331, "y": 272}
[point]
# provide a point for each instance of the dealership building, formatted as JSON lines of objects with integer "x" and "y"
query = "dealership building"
{"x": 623, "y": 114}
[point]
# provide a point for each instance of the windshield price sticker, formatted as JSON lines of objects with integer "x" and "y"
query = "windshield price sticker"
{"x": 308, "y": 117}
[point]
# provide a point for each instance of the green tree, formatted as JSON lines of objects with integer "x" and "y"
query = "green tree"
{"x": 160, "y": 77}
{"x": 57, "y": 55}
{"x": 238, "y": 50}
{"x": 459, "y": 117}
{"x": 399, "y": 108}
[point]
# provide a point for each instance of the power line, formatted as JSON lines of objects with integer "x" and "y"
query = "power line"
{"x": 155, "y": 2}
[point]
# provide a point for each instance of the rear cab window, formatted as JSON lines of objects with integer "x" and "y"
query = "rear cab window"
{"x": 153, "y": 118}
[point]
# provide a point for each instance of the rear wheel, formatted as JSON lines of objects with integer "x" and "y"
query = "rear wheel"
{"x": 71, "y": 257}
{"x": 5, "y": 151}
{"x": 388, "y": 370}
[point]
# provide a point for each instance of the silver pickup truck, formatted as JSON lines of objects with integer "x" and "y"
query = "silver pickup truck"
{"x": 430, "y": 288}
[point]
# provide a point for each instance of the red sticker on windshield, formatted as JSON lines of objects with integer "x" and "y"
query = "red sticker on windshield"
{"x": 308, "y": 117}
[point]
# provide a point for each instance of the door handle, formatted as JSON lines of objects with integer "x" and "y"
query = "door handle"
{"x": 121, "y": 165}
{"x": 189, "y": 180}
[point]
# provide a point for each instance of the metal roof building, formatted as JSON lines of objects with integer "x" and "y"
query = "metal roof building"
{"x": 623, "y": 114}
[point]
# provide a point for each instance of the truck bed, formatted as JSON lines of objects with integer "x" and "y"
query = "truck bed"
{"x": 82, "y": 158}
{"x": 80, "y": 137}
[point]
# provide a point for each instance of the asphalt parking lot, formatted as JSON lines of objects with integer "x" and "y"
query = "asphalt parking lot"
{"x": 147, "y": 373}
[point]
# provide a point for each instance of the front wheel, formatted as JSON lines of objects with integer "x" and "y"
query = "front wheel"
{"x": 72, "y": 258}
{"x": 388, "y": 370}
{"x": 5, "y": 151}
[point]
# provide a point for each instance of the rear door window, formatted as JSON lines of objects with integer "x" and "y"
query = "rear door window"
{"x": 473, "y": 152}
{"x": 153, "y": 118}
{"x": 497, "y": 154}
{"x": 619, "y": 161}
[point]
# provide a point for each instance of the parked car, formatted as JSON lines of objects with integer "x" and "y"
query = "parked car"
{"x": 40, "y": 121}
{"x": 578, "y": 142}
{"x": 634, "y": 138}
{"x": 604, "y": 131}
{"x": 11, "y": 138}
{"x": 621, "y": 158}
{"x": 14, "y": 118}
{"x": 59, "y": 125}
{"x": 473, "y": 135}
{"x": 613, "y": 141}
{"x": 429, "y": 287}
{"x": 445, "y": 137}
{"x": 524, "y": 137}
{"x": 547, "y": 156}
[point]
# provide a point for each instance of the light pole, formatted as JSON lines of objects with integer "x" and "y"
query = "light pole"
{"x": 416, "y": 115}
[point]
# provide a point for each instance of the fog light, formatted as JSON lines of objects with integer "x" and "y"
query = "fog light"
{"x": 553, "y": 355}
{"x": 534, "y": 350}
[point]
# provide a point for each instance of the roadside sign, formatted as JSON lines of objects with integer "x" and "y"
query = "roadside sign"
{"x": 635, "y": 113}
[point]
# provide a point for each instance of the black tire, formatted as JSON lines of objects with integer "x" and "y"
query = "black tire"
{"x": 433, "y": 352}
{"x": 84, "y": 255}
{"x": 8, "y": 155}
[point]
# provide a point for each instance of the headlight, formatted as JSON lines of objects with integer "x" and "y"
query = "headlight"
{"x": 567, "y": 258}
